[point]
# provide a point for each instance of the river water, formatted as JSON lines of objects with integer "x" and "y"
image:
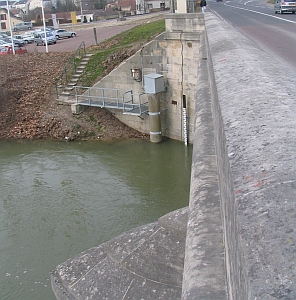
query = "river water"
{"x": 58, "y": 199}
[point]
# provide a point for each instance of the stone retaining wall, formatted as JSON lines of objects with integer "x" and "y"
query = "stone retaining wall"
{"x": 173, "y": 54}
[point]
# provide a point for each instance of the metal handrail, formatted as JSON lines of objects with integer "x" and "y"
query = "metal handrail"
{"x": 109, "y": 98}
{"x": 70, "y": 68}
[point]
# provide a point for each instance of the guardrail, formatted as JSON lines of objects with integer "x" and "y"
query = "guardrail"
{"x": 112, "y": 98}
{"x": 71, "y": 66}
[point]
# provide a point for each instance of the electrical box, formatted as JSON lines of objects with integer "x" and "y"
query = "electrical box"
{"x": 136, "y": 74}
{"x": 153, "y": 83}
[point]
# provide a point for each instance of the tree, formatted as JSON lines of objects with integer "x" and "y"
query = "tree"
{"x": 64, "y": 5}
{"x": 99, "y": 4}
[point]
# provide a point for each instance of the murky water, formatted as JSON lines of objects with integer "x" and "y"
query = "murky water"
{"x": 58, "y": 199}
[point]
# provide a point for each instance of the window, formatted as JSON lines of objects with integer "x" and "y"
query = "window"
{"x": 3, "y": 25}
{"x": 3, "y": 17}
{"x": 150, "y": 6}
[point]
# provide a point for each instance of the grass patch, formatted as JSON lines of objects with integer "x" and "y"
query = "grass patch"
{"x": 92, "y": 118}
{"x": 137, "y": 35}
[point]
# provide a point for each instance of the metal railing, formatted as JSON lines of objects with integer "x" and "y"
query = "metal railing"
{"x": 132, "y": 106}
{"x": 70, "y": 68}
{"x": 111, "y": 98}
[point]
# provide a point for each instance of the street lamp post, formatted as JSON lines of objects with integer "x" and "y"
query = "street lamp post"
{"x": 10, "y": 29}
{"x": 44, "y": 28}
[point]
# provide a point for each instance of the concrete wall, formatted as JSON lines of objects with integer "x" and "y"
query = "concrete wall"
{"x": 204, "y": 266}
{"x": 241, "y": 230}
{"x": 172, "y": 54}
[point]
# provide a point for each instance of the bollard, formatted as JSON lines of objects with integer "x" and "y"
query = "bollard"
{"x": 95, "y": 35}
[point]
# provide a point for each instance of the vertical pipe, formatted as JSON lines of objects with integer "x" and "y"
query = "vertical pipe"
{"x": 154, "y": 118}
{"x": 142, "y": 67}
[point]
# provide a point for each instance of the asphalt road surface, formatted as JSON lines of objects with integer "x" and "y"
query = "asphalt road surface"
{"x": 274, "y": 33}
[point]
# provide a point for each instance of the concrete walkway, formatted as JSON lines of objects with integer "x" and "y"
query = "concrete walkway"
{"x": 143, "y": 263}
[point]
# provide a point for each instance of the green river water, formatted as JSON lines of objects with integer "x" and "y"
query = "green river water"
{"x": 58, "y": 199}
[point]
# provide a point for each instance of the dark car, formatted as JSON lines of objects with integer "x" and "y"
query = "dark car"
{"x": 42, "y": 39}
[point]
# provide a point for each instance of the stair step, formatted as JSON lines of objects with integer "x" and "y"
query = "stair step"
{"x": 73, "y": 80}
{"x": 68, "y": 89}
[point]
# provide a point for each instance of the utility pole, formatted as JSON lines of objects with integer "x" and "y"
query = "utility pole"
{"x": 10, "y": 28}
{"x": 44, "y": 26}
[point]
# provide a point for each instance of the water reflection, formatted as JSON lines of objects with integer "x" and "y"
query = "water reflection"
{"x": 58, "y": 199}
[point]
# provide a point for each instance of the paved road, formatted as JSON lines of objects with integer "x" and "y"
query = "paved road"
{"x": 85, "y": 33}
{"x": 274, "y": 33}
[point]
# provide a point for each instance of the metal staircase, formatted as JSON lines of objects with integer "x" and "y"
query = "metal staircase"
{"x": 68, "y": 92}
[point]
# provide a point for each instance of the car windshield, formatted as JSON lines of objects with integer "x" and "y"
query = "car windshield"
{"x": 48, "y": 34}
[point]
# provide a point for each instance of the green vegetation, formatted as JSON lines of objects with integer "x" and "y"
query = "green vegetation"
{"x": 97, "y": 66}
{"x": 141, "y": 33}
{"x": 92, "y": 118}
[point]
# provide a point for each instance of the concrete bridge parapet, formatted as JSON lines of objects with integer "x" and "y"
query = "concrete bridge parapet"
{"x": 248, "y": 138}
{"x": 240, "y": 238}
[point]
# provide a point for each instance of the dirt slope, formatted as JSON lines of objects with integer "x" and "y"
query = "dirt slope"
{"x": 28, "y": 109}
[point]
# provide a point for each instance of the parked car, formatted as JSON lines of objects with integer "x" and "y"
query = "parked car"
{"x": 63, "y": 33}
{"x": 8, "y": 50}
{"x": 4, "y": 43}
{"x": 281, "y": 6}
{"x": 23, "y": 26}
{"x": 41, "y": 29}
{"x": 15, "y": 41}
{"x": 28, "y": 38}
{"x": 19, "y": 38}
{"x": 41, "y": 38}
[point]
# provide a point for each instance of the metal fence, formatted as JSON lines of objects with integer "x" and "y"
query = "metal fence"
{"x": 112, "y": 98}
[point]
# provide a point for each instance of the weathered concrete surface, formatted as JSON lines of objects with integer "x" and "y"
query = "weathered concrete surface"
{"x": 240, "y": 240}
{"x": 174, "y": 55}
{"x": 253, "y": 101}
{"x": 204, "y": 271}
{"x": 144, "y": 263}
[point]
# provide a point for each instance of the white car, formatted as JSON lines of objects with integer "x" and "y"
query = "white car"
{"x": 28, "y": 39}
{"x": 20, "y": 38}
{"x": 281, "y": 6}
{"x": 63, "y": 33}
